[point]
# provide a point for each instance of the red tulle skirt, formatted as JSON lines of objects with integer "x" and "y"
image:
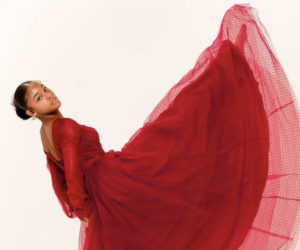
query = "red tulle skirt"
{"x": 216, "y": 163}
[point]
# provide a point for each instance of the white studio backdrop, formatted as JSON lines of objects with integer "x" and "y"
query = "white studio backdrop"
{"x": 110, "y": 63}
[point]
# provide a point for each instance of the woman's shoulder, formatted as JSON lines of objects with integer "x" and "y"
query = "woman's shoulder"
{"x": 65, "y": 127}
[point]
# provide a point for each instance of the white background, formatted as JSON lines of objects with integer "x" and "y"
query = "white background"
{"x": 110, "y": 63}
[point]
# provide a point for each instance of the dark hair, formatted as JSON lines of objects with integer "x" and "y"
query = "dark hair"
{"x": 19, "y": 101}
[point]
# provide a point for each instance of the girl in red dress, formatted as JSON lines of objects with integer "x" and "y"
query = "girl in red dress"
{"x": 214, "y": 166}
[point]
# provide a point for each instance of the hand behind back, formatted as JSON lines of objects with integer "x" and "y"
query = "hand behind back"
{"x": 85, "y": 221}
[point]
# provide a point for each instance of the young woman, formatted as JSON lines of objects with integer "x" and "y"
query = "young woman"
{"x": 214, "y": 166}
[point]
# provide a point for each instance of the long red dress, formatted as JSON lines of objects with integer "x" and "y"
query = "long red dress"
{"x": 214, "y": 166}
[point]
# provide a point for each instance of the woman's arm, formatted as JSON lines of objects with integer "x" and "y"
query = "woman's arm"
{"x": 60, "y": 188}
{"x": 69, "y": 142}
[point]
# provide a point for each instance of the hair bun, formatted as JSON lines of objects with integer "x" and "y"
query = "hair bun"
{"x": 22, "y": 113}
{"x": 19, "y": 111}
{"x": 19, "y": 100}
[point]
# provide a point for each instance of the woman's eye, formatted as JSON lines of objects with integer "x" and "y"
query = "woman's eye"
{"x": 39, "y": 98}
{"x": 45, "y": 88}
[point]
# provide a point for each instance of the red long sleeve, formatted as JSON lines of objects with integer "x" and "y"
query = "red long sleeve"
{"x": 60, "y": 188}
{"x": 69, "y": 141}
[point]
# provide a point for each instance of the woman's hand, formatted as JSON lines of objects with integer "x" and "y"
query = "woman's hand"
{"x": 85, "y": 221}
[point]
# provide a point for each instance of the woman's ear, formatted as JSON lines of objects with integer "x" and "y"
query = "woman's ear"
{"x": 30, "y": 112}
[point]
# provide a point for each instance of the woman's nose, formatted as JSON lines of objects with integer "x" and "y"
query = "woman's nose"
{"x": 49, "y": 96}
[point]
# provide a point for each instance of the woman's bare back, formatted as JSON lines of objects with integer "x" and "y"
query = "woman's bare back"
{"x": 46, "y": 137}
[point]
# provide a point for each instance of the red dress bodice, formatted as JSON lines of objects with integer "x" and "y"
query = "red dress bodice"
{"x": 78, "y": 146}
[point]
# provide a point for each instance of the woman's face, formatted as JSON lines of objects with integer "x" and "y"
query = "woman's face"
{"x": 41, "y": 100}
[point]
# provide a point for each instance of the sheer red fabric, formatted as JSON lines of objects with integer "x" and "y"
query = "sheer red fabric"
{"x": 214, "y": 166}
